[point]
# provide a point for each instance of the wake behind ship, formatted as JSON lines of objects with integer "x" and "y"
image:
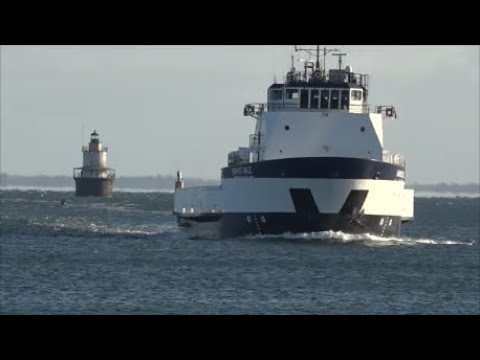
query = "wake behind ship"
{"x": 316, "y": 162}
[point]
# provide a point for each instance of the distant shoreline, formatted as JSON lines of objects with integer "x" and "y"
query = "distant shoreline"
{"x": 137, "y": 183}
{"x": 418, "y": 194}
{"x": 160, "y": 183}
{"x": 72, "y": 189}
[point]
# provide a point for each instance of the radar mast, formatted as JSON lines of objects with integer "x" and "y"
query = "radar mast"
{"x": 316, "y": 52}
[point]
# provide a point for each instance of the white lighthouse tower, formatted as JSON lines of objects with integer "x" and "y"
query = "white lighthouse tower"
{"x": 94, "y": 178}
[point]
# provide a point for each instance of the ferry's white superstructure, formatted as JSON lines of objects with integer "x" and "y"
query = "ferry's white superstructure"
{"x": 316, "y": 162}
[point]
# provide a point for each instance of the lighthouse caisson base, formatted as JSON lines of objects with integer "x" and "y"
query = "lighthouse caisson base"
{"x": 93, "y": 187}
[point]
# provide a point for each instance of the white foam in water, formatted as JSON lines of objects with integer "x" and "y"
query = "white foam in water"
{"x": 167, "y": 230}
{"x": 368, "y": 239}
{"x": 37, "y": 188}
{"x": 444, "y": 194}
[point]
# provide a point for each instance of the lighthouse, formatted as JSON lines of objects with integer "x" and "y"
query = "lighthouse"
{"x": 94, "y": 178}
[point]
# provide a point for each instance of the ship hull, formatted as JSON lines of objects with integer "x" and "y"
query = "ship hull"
{"x": 93, "y": 187}
{"x": 274, "y": 224}
{"x": 302, "y": 195}
{"x": 236, "y": 225}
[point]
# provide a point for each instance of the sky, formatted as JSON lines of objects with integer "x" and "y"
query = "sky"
{"x": 160, "y": 109}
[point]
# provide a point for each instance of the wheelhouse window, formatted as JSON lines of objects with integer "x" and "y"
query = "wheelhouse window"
{"x": 334, "y": 101}
{"x": 291, "y": 94}
{"x": 304, "y": 99}
{"x": 356, "y": 95}
{"x": 314, "y": 99}
{"x": 276, "y": 95}
{"x": 325, "y": 98}
{"x": 345, "y": 99}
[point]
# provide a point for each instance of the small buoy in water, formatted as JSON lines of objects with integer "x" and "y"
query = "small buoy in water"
{"x": 63, "y": 202}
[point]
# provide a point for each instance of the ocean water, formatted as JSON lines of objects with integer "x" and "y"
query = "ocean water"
{"x": 125, "y": 255}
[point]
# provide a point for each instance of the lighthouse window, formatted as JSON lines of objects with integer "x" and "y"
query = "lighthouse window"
{"x": 335, "y": 99}
{"x": 276, "y": 95}
{"x": 325, "y": 98}
{"x": 291, "y": 94}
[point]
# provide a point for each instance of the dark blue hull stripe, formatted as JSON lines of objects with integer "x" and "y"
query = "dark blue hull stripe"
{"x": 234, "y": 225}
{"x": 304, "y": 202}
{"x": 315, "y": 168}
{"x": 354, "y": 202}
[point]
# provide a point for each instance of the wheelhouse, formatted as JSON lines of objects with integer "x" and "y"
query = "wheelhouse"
{"x": 341, "y": 90}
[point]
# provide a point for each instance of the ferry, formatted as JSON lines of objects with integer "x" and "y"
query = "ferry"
{"x": 315, "y": 162}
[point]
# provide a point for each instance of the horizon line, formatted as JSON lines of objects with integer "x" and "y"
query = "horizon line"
{"x": 443, "y": 182}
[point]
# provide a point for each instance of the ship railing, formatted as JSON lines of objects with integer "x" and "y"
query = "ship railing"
{"x": 198, "y": 200}
{"x": 245, "y": 156}
{"x": 386, "y": 111}
{"x": 87, "y": 149}
{"x": 359, "y": 79}
{"x": 359, "y": 109}
{"x": 352, "y": 108}
{"x": 254, "y": 109}
{"x": 395, "y": 159}
{"x": 259, "y": 109}
{"x": 93, "y": 172}
{"x": 234, "y": 158}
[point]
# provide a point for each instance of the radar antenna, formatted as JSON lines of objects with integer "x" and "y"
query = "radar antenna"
{"x": 325, "y": 53}
{"x": 316, "y": 52}
{"x": 313, "y": 52}
{"x": 340, "y": 59}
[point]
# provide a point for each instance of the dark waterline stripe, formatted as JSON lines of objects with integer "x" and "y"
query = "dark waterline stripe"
{"x": 315, "y": 168}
